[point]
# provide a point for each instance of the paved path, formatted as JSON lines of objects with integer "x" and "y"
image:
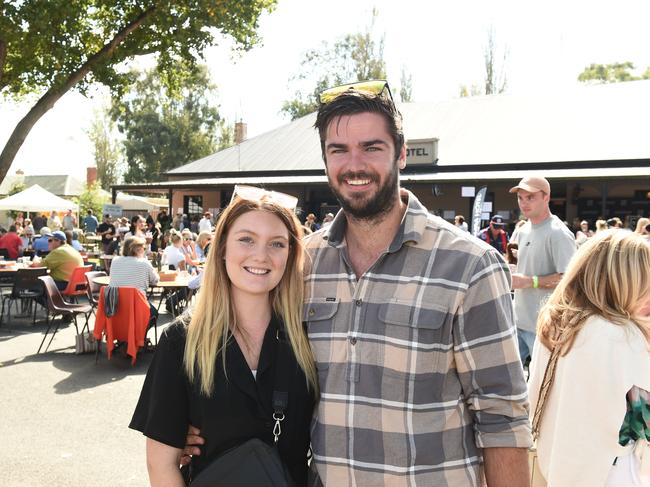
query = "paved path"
{"x": 64, "y": 419}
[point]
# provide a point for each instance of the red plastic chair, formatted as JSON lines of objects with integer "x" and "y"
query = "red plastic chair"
{"x": 77, "y": 285}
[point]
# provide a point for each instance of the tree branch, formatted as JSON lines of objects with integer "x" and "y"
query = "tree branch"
{"x": 47, "y": 101}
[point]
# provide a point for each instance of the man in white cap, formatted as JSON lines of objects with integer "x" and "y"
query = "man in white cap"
{"x": 546, "y": 246}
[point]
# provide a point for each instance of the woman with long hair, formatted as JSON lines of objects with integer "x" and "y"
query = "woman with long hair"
{"x": 641, "y": 225}
{"x": 216, "y": 370}
{"x": 203, "y": 245}
{"x": 590, "y": 374}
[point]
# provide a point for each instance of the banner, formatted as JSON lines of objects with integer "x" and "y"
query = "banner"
{"x": 112, "y": 210}
{"x": 477, "y": 210}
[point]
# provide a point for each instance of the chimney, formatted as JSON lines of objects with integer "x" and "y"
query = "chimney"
{"x": 240, "y": 132}
{"x": 91, "y": 175}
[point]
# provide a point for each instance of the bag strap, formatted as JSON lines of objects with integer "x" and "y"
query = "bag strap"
{"x": 547, "y": 382}
{"x": 280, "y": 400}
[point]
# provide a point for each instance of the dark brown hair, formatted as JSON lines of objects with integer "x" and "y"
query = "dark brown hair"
{"x": 352, "y": 102}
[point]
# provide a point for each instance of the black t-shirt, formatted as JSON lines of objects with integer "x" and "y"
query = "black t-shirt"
{"x": 103, "y": 227}
{"x": 238, "y": 409}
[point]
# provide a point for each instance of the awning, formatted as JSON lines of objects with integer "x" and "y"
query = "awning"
{"x": 36, "y": 198}
{"x": 423, "y": 178}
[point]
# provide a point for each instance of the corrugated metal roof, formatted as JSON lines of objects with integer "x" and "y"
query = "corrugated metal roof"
{"x": 59, "y": 184}
{"x": 588, "y": 123}
{"x": 294, "y": 146}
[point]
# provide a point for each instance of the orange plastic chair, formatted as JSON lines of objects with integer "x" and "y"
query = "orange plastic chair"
{"x": 77, "y": 285}
{"x": 128, "y": 324}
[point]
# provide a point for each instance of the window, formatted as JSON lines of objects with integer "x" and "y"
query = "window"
{"x": 193, "y": 205}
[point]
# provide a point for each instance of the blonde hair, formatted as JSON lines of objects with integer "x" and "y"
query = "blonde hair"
{"x": 175, "y": 236}
{"x": 601, "y": 225}
{"x": 203, "y": 236}
{"x": 641, "y": 224}
{"x": 213, "y": 318}
{"x": 131, "y": 244}
{"x": 609, "y": 276}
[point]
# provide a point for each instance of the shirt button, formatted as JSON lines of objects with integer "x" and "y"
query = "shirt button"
{"x": 353, "y": 341}
{"x": 312, "y": 312}
{"x": 358, "y": 302}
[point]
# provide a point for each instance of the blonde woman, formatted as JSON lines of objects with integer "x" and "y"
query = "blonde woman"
{"x": 583, "y": 233}
{"x": 203, "y": 245}
{"x": 594, "y": 352}
{"x": 641, "y": 226}
{"x": 601, "y": 225}
{"x": 217, "y": 373}
{"x": 173, "y": 254}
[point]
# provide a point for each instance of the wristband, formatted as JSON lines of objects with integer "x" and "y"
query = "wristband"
{"x": 535, "y": 282}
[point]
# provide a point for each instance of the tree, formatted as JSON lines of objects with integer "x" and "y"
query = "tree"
{"x": 91, "y": 198}
{"x": 611, "y": 73}
{"x": 226, "y": 135}
{"x": 406, "y": 87}
{"x": 49, "y": 48}
{"x": 166, "y": 127}
{"x": 355, "y": 57}
{"x": 16, "y": 188}
{"x": 495, "y": 75}
{"x": 106, "y": 149}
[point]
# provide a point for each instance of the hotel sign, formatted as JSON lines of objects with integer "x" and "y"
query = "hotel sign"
{"x": 421, "y": 151}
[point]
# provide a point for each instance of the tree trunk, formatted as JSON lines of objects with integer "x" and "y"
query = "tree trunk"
{"x": 47, "y": 101}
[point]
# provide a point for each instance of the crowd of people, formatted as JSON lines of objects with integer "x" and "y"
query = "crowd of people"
{"x": 400, "y": 359}
{"x": 418, "y": 337}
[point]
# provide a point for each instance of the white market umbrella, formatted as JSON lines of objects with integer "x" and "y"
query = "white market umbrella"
{"x": 35, "y": 198}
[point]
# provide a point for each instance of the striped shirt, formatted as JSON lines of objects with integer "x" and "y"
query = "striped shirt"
{"x": 133, "y": 272}
{"x": 417, "y": 359}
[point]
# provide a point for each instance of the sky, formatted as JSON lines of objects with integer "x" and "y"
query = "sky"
{"x": 440, "y": 43}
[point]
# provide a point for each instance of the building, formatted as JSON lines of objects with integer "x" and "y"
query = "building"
{"x": 590, "y": 142}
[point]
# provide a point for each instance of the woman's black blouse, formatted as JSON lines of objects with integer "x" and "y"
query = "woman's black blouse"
{"x": 238, "y": 409}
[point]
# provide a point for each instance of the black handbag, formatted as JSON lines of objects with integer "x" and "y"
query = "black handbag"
{"x": 255, "y": 463}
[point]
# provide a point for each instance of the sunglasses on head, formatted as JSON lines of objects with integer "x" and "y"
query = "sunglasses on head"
{"x": 254, "y": 193}
{"x": 378, "y": 87}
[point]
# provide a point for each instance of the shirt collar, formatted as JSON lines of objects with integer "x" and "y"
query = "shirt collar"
{"x": 411, "y": 228}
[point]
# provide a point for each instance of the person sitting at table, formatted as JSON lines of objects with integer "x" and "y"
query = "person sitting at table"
{"x": 189, "y": 249}
{"x": 61, "y": 260}
{"x": 218, "y": 367}
{"x": 27, "y": 237}
{"x": 12, "y": 243}
{"x": 40, "y": 244}
{"x": 137, "y": 227}
{"x": 27, "y": 225}
{"x": 134, "y": 270}
{"x": 202, "y": 245}
{"x": 173, "y": 255}
{"x": 72, "y": 238}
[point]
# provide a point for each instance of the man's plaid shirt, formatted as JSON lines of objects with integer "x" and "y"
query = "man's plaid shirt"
{"x": 417, "y": 359}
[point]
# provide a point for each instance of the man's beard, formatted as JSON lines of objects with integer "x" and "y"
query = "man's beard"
{"x": 381, "y": 203}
